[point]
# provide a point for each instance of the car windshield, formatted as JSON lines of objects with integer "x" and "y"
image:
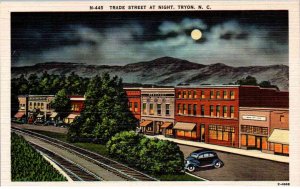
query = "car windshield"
{"x": 194, "y": 155}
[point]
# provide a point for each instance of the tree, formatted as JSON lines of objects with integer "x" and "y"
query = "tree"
{"x": 61, "y": 103}
{"x": 267, "y": 84}
{"x": 249, "y": 80}
{"x": 106, "y": 110}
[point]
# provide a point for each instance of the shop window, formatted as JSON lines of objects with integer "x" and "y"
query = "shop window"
{"x": 218, "y": 111}
{"x": 188, "y": 134}
{"x": 189, "y": 94}
{"x": 251, "y": 140}
{"x": 195, "y": 94}
{"x": 278, "y": 148}
{"x": 179, "y": 94}
{"x": 184, "y": 94}
{"x": 264, "y": 143}
{"x": 212, "y": 134}
{"x": 225, "y": 94}
{"x": 231, "y": 111}
{"x": 220, "y": 135}
{"x": 244, "y": 140}
{"x": 167, "y": 109}
{"x": 151, "y": 109}
{"x": 195, "y": 109}
{"x": 282, "y": 119}
{"x": 169, "y": 131}
{"x": 211, "y": 94}
{"x": 179, "y": 133}
{"x": 202, "y": 110}
{"x": 135, "y": 107}
{"x": 158, "y": 109}
{"x": 225, "y": 136}
{"x": 224, "y": 111}
{"x": 211, "y": 108}
{"x": 189, "y": 109}
{"x": 179, "y": 109}
{"x": 285, "y": 149}
{"x": 231, "y": 94}
{"x": 184, "y": 109}
{"x": 194, "y": 134}
{"x": 144, "y": 108}
{"x": 130, "y": 106}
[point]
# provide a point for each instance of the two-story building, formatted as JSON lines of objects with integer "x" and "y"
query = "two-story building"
{"x": 157, "y": 110}
{"x": 23, "y": 108}
{"x": 39, "y": 107}
{"x": 134, "y": 101}
{"x": 77, "y": 105}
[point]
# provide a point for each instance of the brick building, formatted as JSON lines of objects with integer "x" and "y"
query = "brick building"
{"x": 134, "y": 101}
{"x": 22, "y": 113}
{"x": 77, "y": 105}
{"x": 210, "y": 113}
{"x": 264, "y": 129}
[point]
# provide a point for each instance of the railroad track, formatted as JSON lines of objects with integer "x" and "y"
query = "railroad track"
{"x": 115, "y": 167}
{"x": 73, "y": 170}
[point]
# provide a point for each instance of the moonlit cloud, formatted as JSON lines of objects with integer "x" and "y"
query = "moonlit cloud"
{"x": 229, "y": 42}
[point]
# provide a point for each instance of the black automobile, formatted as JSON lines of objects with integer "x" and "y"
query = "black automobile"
{"x": 202, "y": 158}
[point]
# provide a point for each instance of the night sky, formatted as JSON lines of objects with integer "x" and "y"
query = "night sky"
{"x": 236, "y": 38}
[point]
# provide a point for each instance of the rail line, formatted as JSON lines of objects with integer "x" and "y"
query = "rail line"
{"x": 115, "y": 167}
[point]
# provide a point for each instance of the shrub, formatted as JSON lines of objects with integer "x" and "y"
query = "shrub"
{"x": 151, "y": 155}
{"x": 29, "y": 165}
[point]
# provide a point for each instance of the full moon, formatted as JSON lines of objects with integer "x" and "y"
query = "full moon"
{"x": 196, "y": 34}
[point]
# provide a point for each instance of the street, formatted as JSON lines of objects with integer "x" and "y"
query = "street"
{"x": 241, "y": 168}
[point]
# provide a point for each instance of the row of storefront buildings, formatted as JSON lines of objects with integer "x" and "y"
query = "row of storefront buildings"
{"x": 247, "y": 117}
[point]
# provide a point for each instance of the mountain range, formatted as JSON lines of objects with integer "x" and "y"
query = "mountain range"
{"x": 166, "y": 71}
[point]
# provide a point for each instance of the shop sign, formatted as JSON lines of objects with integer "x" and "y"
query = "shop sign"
{"x": 257, "y": 118}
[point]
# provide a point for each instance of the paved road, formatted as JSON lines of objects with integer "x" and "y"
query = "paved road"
{"x": 242, "y": 168}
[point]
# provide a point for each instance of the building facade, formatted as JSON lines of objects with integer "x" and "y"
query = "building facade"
{"x": 39, "y": 107}
{"x": 77, "y": 105}
{"x": 134, "y": 101}
{"x": 23, "y": 108}
{"x": 157, "y": 110}
{"x": 264, "y": 129}
{"x": 210, "y": 113}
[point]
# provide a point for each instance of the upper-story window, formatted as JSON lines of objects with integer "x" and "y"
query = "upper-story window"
{"x": 135, "y": 107}
{"x": 211, "y": 110}
{"x": 42, "y": 105}
{"x": 179, "y": 111}
{"x": 231, "y": 111}
{"x": 184, "y": 109}
{"x": 167, "y": 109}
{"x": 130, "y": 106}
{"x": 224, "y": 111}
{"x": 158, "y": 109}
{"x": 151, "y": 109}
{"x": 195, "y": 109}
{"x": 184, "y": 94}
{"x": 179, "y": 94}
{"x": 202, "y": 94}
{"x": 231, "y": 94}
{"x": 282, "y": 119}
{"x": 218, "y": 95}
{"x": 189, "y": 109}
{"x": 189, "y": 94}
{"x": 144, "y": 108}
{"x": 225, "y": 94}
{"x": 211, "y": 94}
{"x": 202, "y": 110}
{"x": 218, "y": 110}
{"x": 195, "y": 94}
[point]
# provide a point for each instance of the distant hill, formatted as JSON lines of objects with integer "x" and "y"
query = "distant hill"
{"x": 166, "y": 71}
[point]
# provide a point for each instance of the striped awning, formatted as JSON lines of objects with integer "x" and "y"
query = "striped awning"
{"x": 166, "y": 125}
{"x": 279, "y": 136}
{"x": 184, "y": 126}
{"x": 19, "y": 114}
{"x": 145, "y": 123}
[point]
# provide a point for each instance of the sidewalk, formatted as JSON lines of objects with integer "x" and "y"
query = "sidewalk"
{"x": 251, "y": 153}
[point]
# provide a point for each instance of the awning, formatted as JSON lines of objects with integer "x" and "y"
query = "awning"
{"x": 166, "y": 125}
{"x": 145, "y": 123}
{"x": 184, "y": 126}
{"x": 54, "y": 114}
{"x": 279, "y": 136}
{"x": 40, "y": 115}
{"x": 72, "y": 116}
{"x": 19, "y": 114}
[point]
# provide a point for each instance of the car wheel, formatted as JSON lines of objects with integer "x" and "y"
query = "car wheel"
{"x": 191, "y": 168}
{"x": 218, "y": 164}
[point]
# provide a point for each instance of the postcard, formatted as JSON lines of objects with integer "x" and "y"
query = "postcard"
{"x": 164, "y": 93}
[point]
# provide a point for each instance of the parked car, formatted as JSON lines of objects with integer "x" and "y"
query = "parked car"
{"x": 38, "y": 122}
{"x": 202, "y": 158}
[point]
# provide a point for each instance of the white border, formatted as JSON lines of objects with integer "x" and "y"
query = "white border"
{"x": 67, "y": 6}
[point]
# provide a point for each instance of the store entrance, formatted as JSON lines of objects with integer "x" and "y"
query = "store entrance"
{"x": 258, "y": 143}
